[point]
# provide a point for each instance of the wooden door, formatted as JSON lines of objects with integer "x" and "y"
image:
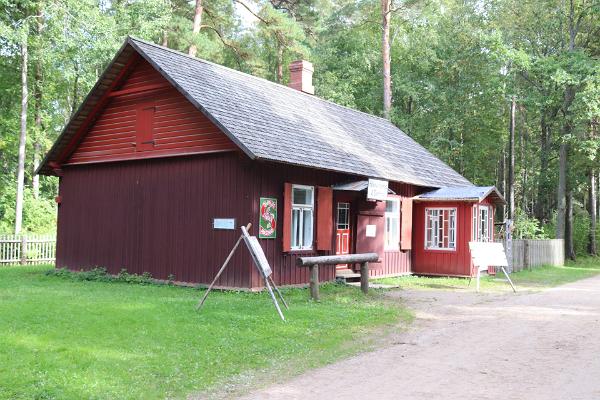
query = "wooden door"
{"x": 342, "y": 242}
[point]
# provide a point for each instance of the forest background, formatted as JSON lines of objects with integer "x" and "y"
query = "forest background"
{"x": 507, "y": 92}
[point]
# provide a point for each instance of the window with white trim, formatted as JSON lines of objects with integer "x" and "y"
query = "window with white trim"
{"x": 303, "y": 201}
{"x": 440, "y": 228}
{"x": 483, "y": 224}
{"x": 392, "y": 224}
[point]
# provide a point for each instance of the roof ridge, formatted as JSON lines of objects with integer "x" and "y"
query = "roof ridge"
{"x": 296, "y": 91}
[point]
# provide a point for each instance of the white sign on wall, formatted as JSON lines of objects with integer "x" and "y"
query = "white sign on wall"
{"x": 224, "y": 223}
{"x": 377, "y": 189}
{"x": 371, "y": 231}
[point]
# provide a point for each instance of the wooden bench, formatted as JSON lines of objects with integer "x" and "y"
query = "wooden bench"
{"x": 313, "y": 264}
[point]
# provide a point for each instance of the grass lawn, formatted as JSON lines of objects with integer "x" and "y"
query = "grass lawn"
{"x": 539, "y": 278}
{"x": 66, "y": 339}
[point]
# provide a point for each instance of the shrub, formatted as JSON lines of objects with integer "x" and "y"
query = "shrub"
{"x": 99, "y": 274}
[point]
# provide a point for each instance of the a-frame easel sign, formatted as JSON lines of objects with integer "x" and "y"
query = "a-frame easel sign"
{"x": 261, "y": 263}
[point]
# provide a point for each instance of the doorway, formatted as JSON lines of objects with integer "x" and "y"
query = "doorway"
{"x": 342, "y": 231}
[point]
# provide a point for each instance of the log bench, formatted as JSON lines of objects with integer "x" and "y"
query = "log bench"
{"x": 313, "y": 264}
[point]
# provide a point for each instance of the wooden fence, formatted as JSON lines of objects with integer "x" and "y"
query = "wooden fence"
{"x": 531, "y": 253}
{"x": 27, "y": 249}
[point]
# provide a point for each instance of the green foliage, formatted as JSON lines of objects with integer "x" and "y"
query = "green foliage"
{"x": 74, "y": 339}
{"x": 39, "y": 215}
{"x": 100, "y": 274}
{"x": 527, "y": 227}
{"x": 455, "y": 67}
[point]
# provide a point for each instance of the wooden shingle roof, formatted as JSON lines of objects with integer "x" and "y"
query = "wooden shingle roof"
{"x": 269, "y": 121}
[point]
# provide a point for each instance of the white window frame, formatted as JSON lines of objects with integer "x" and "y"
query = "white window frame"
{"x": 476, "y": 234}
{"x": 394, "y": 245}
{"x": 301, "y": 208}
{"x": 438, "y": 209}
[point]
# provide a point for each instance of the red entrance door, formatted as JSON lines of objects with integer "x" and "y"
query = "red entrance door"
{"x": 343, "y": 231}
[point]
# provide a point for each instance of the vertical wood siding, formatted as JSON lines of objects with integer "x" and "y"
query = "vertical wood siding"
{"x": 442, "y": 262}
{"x": 270, "y": 179}
{"x": 156, "y": 216}
{"x": 397, "y": 262}
{"x": 161, "y": 115}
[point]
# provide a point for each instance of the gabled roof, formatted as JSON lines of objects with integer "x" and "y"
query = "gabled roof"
{"x": 269, "y": 121}
{"x": 468, "y": 193}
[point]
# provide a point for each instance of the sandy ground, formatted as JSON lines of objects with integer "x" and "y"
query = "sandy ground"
{"x": 464, "y": 345}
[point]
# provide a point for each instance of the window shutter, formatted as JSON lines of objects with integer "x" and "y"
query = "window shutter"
{"x": 144, "y": 127}
{"x": 287, "y": 217}
{"x": 324, "y": 218}
{"x": 406, "y": 223}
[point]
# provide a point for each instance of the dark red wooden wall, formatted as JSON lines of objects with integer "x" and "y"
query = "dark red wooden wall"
{"x": 444, "y": 262}
{"x": 148, "y": 118}
{"x": 397, "y": 262}
{"x": 156, "y": 216}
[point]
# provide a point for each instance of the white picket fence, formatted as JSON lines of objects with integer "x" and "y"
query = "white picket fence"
{"x": 27, "y": 249}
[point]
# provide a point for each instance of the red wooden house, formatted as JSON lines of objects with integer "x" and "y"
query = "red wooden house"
{"x": 168, "y": 155}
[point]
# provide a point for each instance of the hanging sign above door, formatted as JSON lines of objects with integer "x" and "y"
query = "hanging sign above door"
{"x": 377, "y": 189}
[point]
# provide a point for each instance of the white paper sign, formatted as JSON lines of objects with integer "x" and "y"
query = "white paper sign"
{"x": 224, "y": 223}
{"x": 487, "y": 254}
{"x": 377, "y": 189}
{"x": 371, "y": 231}
{"x": 259, "y": 256}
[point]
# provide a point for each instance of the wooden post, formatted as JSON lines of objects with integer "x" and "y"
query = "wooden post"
{"x": 314, "y": 281}
{"x": 526, "y": 263}
{"x": 364, "y": 277}
{"x": 23, "y": 250}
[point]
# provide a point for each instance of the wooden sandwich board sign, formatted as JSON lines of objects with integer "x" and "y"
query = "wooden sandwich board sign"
{"x": 487, "y": 254}
{"x": 261, "y": 263}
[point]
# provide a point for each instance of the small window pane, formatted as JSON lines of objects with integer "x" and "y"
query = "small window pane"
{"x": 295, "y": 228}
{"x": 307, "y": 228}
{"x": 302, "y": 196}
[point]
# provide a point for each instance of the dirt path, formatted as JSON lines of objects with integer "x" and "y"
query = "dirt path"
{"x": 542, "y": 345}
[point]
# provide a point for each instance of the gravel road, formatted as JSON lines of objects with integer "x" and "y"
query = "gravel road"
{"x": 463, "y": 345}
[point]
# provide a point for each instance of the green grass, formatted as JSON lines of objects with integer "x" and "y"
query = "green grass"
{"x": 538, "y": 278}
{"x": 66, "y": 339}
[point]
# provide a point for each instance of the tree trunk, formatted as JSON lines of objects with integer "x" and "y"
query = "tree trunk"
{"x": 511, "y": 161}
{"x": 165, "y": 39}
{"x": 386, "y": 54}
{"x": 561, "y": 193}
{"x": 541, "y": 205}
{"x": 523, "y": 138}
{"x": 279, "y": 66}
{"x": 570, "y": 250}
{"x": 37, "y": 145}
{"x": 22, "y": 138}
{"x": 592, "y": 210}
{"x": 196, "y": 27}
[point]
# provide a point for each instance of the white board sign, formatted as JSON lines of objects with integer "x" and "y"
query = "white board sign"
{"x": 377, "y": 189}
{"x": 487, "y": 254}
{"x": 259, "y": 255}
{"x": 371, "y": 231}
{"x": 224, "y": 223}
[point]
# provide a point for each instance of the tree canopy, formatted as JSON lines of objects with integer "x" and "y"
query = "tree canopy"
{"x": 456, "y": 65}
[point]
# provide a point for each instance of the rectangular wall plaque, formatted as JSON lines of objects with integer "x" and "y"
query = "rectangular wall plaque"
{"x": 224, "y": 223}
{"x": 371, "y": 231}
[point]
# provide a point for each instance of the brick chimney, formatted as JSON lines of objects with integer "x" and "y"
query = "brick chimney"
{"x": 301, "y": 76}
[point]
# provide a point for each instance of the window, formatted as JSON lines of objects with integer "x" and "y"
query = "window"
{"x": 392, "y": 224}
{"x": 482, "y": 224}
{"x": 343, "y": 216}
{"x": 302, "y": 217}
{"x": 440, "y": 232}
